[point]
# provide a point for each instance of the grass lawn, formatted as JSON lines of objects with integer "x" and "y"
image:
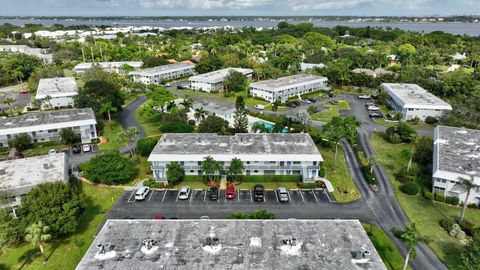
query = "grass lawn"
{"x": 341, "y": 105}
{"x": 351, "y": 91}
{"x": 420, "y": 125}
{"x": 385, "y": 248}
{"x": 345, "y": 189}
{"x": 111, "y": 132}
{"x": 42, "y": 150}
{"x": 150, "y": 126}
{"x": 192, "y": 184}
{"x": 66, "y": 253}
{"x": 143, "y": 168}
{"x": 325, "y": 115}
{"x": 268, "y": 185}
{"x": 426, "y": 214}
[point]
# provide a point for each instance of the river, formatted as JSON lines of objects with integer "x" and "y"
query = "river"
{"x": 472, "y": 29}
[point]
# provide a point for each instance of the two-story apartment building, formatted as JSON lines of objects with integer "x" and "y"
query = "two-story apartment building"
{"x": 110, "y": 67}
{"x": 286, "y": 87}
{"x": 213, "y": 81}
{"x": 414, "y": 102}
{"x": 46, "y": 126}
{"x": 456, "y": 157}
{"x": 261, "y": 154}
{"x": 56, "y": 92}
{"x": 156, "y": 75}
{"x": 43, "y": 54}
{"x": 19, "y": 176}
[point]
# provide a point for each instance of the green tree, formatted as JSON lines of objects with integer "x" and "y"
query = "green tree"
{"x": 372, "y": 162}
{"x": 187, "y": 103}
{"x": 95, "y": 93}
{"x": 37, "y": 234}
{"x": 10, "y": 102}
{"x": 210, "y": 168}
{"x": 410, "y": 237}
{"x": 235, "y": 82}
{"x": 470, "y": 256}
{"x": 258, "y": 127}
{"x": 424, "y": 151}
{"x": 21, "y": 142}
{"x": 339, "y": 128}
{"x": 275, "y": 106}
{"x": 313, "y": 40}
{"x": 68, "y": 136}
{"x": 21, "y": 65}
{"x": 406, "y": 52}
{"x": 468, "y": 185}
{"x": 175, "y": 172}
{"x": 240, "y": 123}
{"x": 146, "y": 145}
{"x": 235, "y": 169}
{"x": 153, "y": 61}
{"x": 200, "y": 114}
{"x": 107, "y": 108}
{"x": 110, "y": 168}
{"x": 128, "y": 137}
{"x": 213, "y": 124}
{"x": 208, "y": 63}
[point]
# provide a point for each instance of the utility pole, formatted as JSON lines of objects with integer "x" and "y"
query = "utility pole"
{"x": 91, "y": 51}
{"x": 83, "y": 54}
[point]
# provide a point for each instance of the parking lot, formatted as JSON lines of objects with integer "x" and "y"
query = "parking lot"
{"x": 242, "y": 197}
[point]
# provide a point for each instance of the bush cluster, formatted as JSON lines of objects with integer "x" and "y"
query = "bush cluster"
{"x": 145, "y": 146}
{"x": 428, "y": 195}
{"x": 410, "y": 188}
{"x": 439, "y": 197}
{"x": 431, "y": 120}
{"x": 307, "y": 185}
{"x": 370, "y": 176}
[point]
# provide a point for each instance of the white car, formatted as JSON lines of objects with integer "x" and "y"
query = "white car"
{"x": 142, "y": 193}
{"x": 259, "y": 107}
{"x": 282, "y": 194}
{"x": 364, "y": 96}
{"x": 184, "y": 193}
{"x": 86, "y": 148}
{"x": 52, "y": 151}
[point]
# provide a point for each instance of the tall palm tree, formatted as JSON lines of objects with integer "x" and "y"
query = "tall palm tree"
{"x": 37, "y": 234}
{"x": 372, "y": 162}
{"x": 48, "y": 99}
{"x": 210, "y": 168}
{"x": 187, "y": 103}
{"x": 258, "y": 128}
{"x": 468, "y": 185}
{"x": 236, "y": 168}
{"x": 410, "y": 238}
{"x": 200, "y": 114}
{"x": 275, "y": 106}
{"x": 128, "y": 137}
{"x": 107, "y": 108}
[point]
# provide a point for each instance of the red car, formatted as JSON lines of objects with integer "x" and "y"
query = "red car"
{"x": 24, "y": 92}
{"x": 159, "y": 217}
{"x": 230, "y": 192}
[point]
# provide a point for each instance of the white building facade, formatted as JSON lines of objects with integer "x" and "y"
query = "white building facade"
{"x": 46, "y": 126}
{"x": 46, "y": 57}
{"x": 19, "y": 176}
{"x": 157, "y": 75}
{"x": 456, "y": 157}
{"x": 110, "y": 67}
{"x": 61, "y": 92}
{"x": 261, "y": 154}
{"x": 286, "y": 87}
{"x": 213, "y": 81}
{"x": 414, "y": 102}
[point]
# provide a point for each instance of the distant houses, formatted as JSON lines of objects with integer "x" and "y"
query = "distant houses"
{"x": 213, "y": 81}
{"x": 110, "y": 67}
{"x": 157, "y": 75}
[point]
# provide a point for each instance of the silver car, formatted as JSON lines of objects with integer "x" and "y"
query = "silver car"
{"x": 184, "y": 193}
{"x": 282, "y": 194}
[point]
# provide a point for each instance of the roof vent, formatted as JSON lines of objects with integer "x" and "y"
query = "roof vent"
{"x": 47, "y": 166}
{"x": 148, "y": 246}
{"x": 212, "y": 244}
{"x": 361, "y": 256}
{"x": 291, "y": 246}
{"x": 3, "y": 172}
{"x": 105, "y": 251}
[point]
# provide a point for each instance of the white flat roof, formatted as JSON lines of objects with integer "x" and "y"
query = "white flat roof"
{"x": 22, "y": 174}
{"x": 161, "y": 69}
{"x": 47, "y": 120}
{"x": 134, "y": 64}
{"x": 218, "y": 75}
{"x": 57, "y": 87}
{"x": 288, "y": 82}
{"x": 231, "y": 244}
{"x": 414, "y": 96}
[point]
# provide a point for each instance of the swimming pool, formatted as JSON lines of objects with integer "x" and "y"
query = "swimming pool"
{"x": 270, "y": 126}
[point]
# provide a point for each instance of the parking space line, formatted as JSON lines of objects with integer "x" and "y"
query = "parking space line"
{"x": 251, "y": 198}
{"x": 178, "y": 194}
{"x": 276, "y": 195}
{"x": 289, "y": 197}
{"x": 313, "y": 192}
{"x": 205, "y": 196}
{"x": 238, "y": 195}
{"x": 133, "y": 192}
{"x": 191, "y": 197}
{"x": 164, "y": 194}
{"x": 151, "y": 195}
{"x": 301, "y": 194}
{"x": 328, "y": 197}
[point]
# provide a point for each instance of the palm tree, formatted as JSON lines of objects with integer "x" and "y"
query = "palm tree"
{"x": 372, "y": 162}
{"x": 107, "y": 108}
{"x": 275, "y": 106}
{"x": 127, "y": 137}
{"x": 258, "y": 127}
{"x": 210, "y": 168}
{"x": 9, "y": 102}
{"x": 48, "y": 99}
{"x": 170, "y": 105}
{"x": 37, "y": 234}
{"x": 468, "y": 185}
{"x": 200, "y": 114}
{"x": 410, "y": 238}
{"x": 187, "y": 103}
{"x": 236, "y": 168}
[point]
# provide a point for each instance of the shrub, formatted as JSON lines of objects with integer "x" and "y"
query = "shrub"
{"x": 410, "y": 188}
{"x": 321, "y": 173}
{"x": 454, "y": 200}
{"x": 467, "y": 227}
{"x": 428, "y": 195}
{"x": 109, "y": 168}
{"x": 151, "y": 183}
{"x": 179, "y": 127}
{"x": 307, "y": 185}
{"x": 431, "y": 120}
{"x": 439, "y": 197}
{"x": 472, "y": 205}
{"x": 447, "y": 224}
{"x": 228, "y": 94}
{"x": 146, "y": 145}
{"x": 448, "y": 199}
{"x": 370, "y": 176}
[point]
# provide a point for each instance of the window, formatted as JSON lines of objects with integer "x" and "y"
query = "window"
{"x": 297, "y": 162}
{"x": 314, "y": 163}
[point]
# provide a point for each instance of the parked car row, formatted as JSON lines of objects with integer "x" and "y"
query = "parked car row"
{"x": 258, "y": 192}
{"x": 373, "y": 110}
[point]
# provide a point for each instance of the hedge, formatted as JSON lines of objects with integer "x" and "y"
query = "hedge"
{"x": 455, "y": 201}
{"x": 370, "y": 177}
{"x": 410, "y": 188}
{"x": 271, "y": 178}
{"x": 194, "y": 178}
{"x": 428, "y": 195}
{"x": 307, "y": 185}
{"x": 439, "y": 197}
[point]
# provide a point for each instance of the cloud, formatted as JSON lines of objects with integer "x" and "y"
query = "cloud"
{"x": 328, "y": 5}
{"x": 202, "y": 4}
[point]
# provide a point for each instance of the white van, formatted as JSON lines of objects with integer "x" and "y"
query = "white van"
{"x": 259, "y": 107}
{"x": 142, "y": 193}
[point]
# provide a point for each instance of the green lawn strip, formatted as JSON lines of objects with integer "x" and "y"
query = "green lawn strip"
{"x": 268, "y": 185}
{"x": 192, "y": 184}
{"x": 41, "y": 149}
{"x": 150, "y": 126}
{"x": 143, "y": 168}
{"x": 325, "y": 115}
{"x": 344, "y": 187}
{"x": 391, "y": 257}
{"x": 111, "y": 132}
{"x": 341, "y": 105}
{"x": 66, "y": 253}
{"x": 348, "y": 90}
{"x": 426, "y": 214}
